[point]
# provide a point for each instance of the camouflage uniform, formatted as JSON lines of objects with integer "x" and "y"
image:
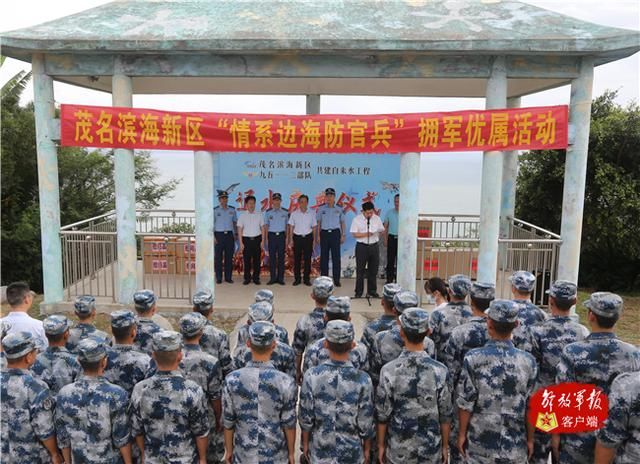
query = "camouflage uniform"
{"x": 261, "y": 311}
{"x": 336, "y": 406}
{"x": 443, "y": 321}
{"x": 27, "y": 407}
{"x": 495, "y": 385}
{"x": 310, "y": 327}
{"x": 283, "y": 358}
{"x": 169, "y": 411}
{"x": 243, "y": 335}
{"x": 414, "y": 399}
{"x": 384, "y": 322}
{"x": 83, "y": 306}
{"x": 56, "y": 366}
{"x": 528, "y": 313}
{"x": 91, "y": 413}
{"x": 214, "y": 341}
{"x": 258, "y": 403}
{"x": 597, "y": 360}
{"x": 144, "y": 300}
{"x": 317, "y": 354}
{"x": 622, "y": 428}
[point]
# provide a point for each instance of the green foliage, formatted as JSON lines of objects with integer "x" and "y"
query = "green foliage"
{"x": 610, "y": 254}
{"x": 86, "y": 187}
{"x": 177, "y": 228}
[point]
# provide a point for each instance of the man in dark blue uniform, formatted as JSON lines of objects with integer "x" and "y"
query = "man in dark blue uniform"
{"x": 225, "y": 219}
{"x": 331, "y": 230}
{"x": 275, "y": 230}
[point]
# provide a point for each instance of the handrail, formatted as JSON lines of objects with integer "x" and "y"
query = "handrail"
{"x": 84, "y": 221}
{"x": 539, "y": 229}
{"x": 426, "y": 215}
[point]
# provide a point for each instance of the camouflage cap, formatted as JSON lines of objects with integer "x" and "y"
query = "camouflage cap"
{"x": 17, "y": 344}
{"x": 563, "y": 290}
{"x": 523, "y": 281}
{"x": 192, "y": 324}
{"x": 167, "y": 340}
{"x": 405, "y": 299}
{"x": 323, "y": 287}
{"x": 84, "y": 304}
{"x": 414, "y": 320}
{"x": 56, "y": 324}
{"x": 503, "y": 311}
{"x": 338, "y": 305}
{"x": 144, "y": 300}
{"x": 339, "y": 332}
{"x": 459, "y": 285}
{"x": 264, "y": 295}
{"x": 5, "y": 327}
{"x": 261, "y": 311}
{"x": 91, "y": 350}
{"x": 262, "y": 333}
{"x": 123, "y": 318}
{"x": 604, "y": 304}
{"x": 484, "y": 291}
{"x": 202, "y": 300}
{"x": 389, "y": 291}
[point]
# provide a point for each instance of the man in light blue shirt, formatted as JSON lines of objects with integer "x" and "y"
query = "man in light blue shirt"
{"x": 331, "y": 231}
{"x": 274, "y": 238}
{"x": 225, "y": 220}
{"x": 391, "y": 238}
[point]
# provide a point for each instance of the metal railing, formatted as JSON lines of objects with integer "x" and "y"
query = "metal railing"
{"x": 454, "y": 249}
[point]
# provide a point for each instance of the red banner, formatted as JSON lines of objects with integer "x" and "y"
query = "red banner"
{"x": 536, "y": 128}
{"x": 568, "y": 408}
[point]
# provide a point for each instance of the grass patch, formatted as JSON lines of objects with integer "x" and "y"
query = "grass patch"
{"x": 628, "y": 327}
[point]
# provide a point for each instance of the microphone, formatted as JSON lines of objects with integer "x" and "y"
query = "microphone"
{"x": 368, "y": 222}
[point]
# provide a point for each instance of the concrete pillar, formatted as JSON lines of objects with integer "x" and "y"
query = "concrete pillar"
{"x": 48, "y": 185}
{"x": 408, "y": 220}
{"x": 204, "y": 188}
{"x": 575, "y": 172}
{"x": 491, "y": 184}
{"x": 508, "y": 196}
{"x": 313, "y": 104}
{"x": 122, "y": 95}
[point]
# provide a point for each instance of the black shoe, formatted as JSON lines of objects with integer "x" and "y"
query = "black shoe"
{"x": 358, "y": 295}
{"x": 271, "y": 282}
{"x": 218, "y": 281}
{"x": 296, "y": 282}
{"x": 337, "y": 284}
{"x": 307, "y": 283}
{"x": 281, "y": 282}
{"x": 229, "y": 281}
{"x": 246, "y": 282}
{"x": 257, "y": 281}
{"x": 373, "y": 295}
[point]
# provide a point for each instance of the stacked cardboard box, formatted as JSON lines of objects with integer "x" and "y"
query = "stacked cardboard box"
{"x": 159, "y": 255}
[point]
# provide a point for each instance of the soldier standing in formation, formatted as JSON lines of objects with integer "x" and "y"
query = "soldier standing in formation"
{"x": 262, "y": 299}
{"x": 385, "y": 321}
{"x": 275, "y": 238}
{"x": 85, "y": 309}
{"x": 145, "y": 302}
{"x": 224, "y": 237}
{"x": 582, "y": 361}
{"x": 214, "y": 340}
{"x": 92, "y": 420}
{"x": 336, "y": 404}
{"x": 259, "y": 406}
{"x": 331, "y": 231}
{"x": 413, "y": 402}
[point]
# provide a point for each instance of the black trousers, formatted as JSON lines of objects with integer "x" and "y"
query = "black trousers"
{"x": 225, "y": 246}
{"x": 392, "y": 257}
{"x": 367, "y": 261}
{"x": 330, "y": 244}
{"x": 302, "y": 248}
{"x": 276, "y": 255}
{"x": 251, "y": 257}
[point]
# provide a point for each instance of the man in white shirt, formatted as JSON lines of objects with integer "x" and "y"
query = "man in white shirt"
{"x": 20, "y": 299}
{"x": 250, "y": 225}
{"x": 366, "y": 229}
{"x": 302, "y": 225}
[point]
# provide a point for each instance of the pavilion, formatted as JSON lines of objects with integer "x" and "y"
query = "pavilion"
{"x": 500, "y": 50}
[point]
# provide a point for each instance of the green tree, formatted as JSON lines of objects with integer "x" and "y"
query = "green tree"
{"x": 86, "y": 186}
{"x": 610, "y": 253}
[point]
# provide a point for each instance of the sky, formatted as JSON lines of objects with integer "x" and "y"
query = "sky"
{"x": 450, "y": 183}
